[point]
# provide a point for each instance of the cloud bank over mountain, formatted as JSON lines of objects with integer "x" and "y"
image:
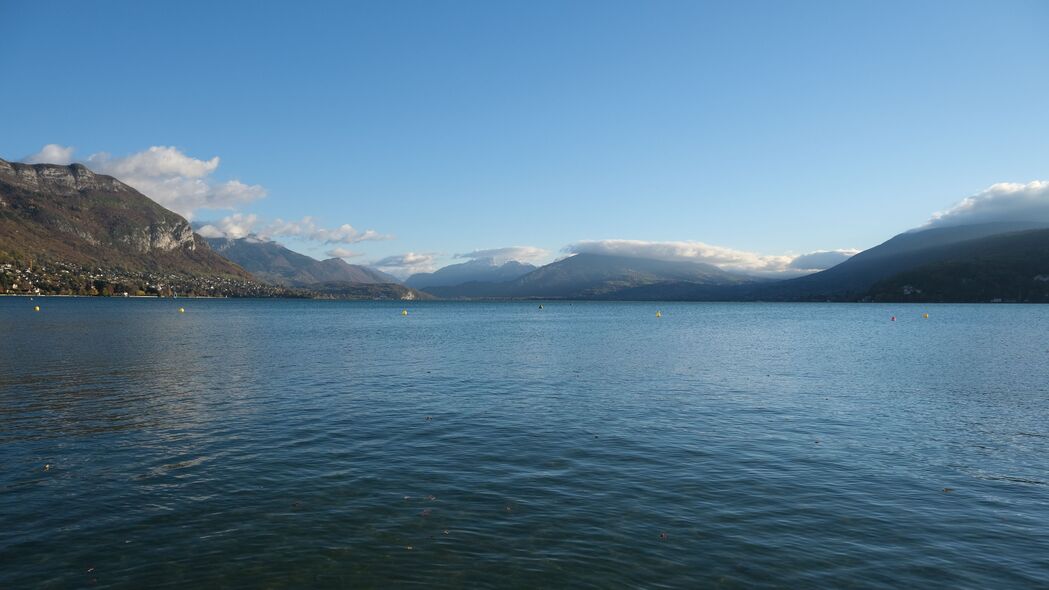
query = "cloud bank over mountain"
{"x": 238, "y": 225}
{"x": 343, "y": 253}
{"x": 1004, "y": 201}
{"x": 407, "y": 264}
{"x": 501, "y": 255}
{"x": 725, "y": 258}
{"x": 821, "y": 260}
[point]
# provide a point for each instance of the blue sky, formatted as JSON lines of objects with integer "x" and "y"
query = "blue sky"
{"x": 767, "y": 127}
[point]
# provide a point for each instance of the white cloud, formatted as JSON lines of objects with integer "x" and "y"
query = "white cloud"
{"x": 1005, "y": 201}
{"x": 340, "y": 252}
{"x": 166, "y": 175}
{"x": 308, "y": 229}
{"x": 404, "y": 265}
{"x": 501, "y": 255}
{"x": 52, "y": 153}
{"x": 210, "y": 231}
{"x": 157, "y": 161}
{"x": 242, "y": 225}
{"x": 234, "y": 192}
{"x": 238, "y": 225}
{"x": 177, "y": 181}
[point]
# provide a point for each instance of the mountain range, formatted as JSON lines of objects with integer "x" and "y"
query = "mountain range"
{"x": 978, "y": 262}
{"x": 854, "y": 278}
{"x": 65, "y": 229}
{"x": 331, "y": 278}
{"x": 480, "y": 270}
{"x": 1009, "y": 267}
{"x": 594, "y": 276}
{"x": 276, "y": 264}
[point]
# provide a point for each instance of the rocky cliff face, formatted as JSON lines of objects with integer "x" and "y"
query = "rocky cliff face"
{"x": 163, "y": 230}
{"x": 65, "y": 180}
{"x": 161, "y": 236}
{"x": 70, "y": 214}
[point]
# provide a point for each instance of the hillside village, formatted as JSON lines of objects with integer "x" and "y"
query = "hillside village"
{"x": 71, "y": 279}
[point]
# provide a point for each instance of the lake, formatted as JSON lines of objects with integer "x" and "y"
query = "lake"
{"x": 299, "y": 444}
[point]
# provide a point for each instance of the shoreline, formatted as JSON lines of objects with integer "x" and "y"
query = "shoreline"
{"x": 521, "y": 300}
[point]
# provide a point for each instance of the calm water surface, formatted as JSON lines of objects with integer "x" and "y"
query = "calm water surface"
{"x": 294, "y": 444}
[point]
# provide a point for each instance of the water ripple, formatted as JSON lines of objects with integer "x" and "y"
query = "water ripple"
{"x": 325, "y": 444}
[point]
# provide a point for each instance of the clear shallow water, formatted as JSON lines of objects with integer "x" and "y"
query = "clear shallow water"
{"x": 287, "y": 444}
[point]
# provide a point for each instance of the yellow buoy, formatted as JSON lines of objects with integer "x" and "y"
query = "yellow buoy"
{"x": 36, "y": 308}
{"x": 925, "y": 315}
{"x": 182, "y": 310}
{"x": 659, "y": 314}
{"x": 404, "y": 312}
